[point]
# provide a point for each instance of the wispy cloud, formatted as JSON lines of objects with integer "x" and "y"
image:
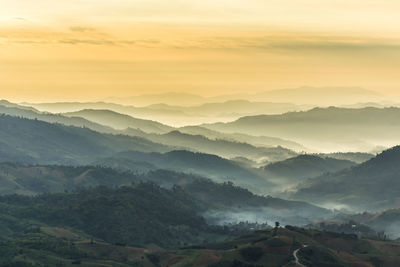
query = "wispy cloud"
{"x": 87, "y": 41}
{"x": 238, "y": 43}
{"x": 81, "y": 29}
{"x": 306, "y": 42}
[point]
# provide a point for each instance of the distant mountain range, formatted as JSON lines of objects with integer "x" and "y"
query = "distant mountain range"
{"x": 106, "y": 121}
{"x": 316, "y": 96}
{"x": 177, "y": 115}
{"x": 168, "y": 108}
{"x": 11, "y": 109}
{"x": 254, "y": 140}
{"x": 329, "y": 129}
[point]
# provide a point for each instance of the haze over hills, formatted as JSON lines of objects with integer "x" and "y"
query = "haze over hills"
{"x": 217, "y": 168}
{"x": 387, "y": 221}
{"x": 177, "y": 133}
{"x": 357, "y": 157}
{"x": 108, "y": 121}
{"x": 321, "y": 96}
{"x": 372, "y": 185}
{"x": 152, "y": 177}
{"x": 223, "y": 147}
{"x": 255, "y": 140}
{"x": 177, "y": 115}
{"x": 161, "y": 115}
{"x": 295, "y": 170}
{"x": 305, "y": 95}
{"x": 36, "y": 141}
{"x": 171, "y": 98}
{"x": 119, "y": 121}
{"x": 327, "y": 129}
{"x": 233, "y": 108}
{"x": 15, "y": 110}
{"x": 187, "y": 203}
{"x": 168, "y": 108}
{"x": 38, "y": 179}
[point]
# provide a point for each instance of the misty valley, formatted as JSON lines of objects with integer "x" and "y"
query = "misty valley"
{"x": 211, "y": 133}
{"x": 270, "y": 184}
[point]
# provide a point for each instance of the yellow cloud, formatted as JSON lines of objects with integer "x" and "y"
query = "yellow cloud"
{"x": 91, "y": 49}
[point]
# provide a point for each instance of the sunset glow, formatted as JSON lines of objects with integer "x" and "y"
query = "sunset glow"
{"x": 52, "y": 50}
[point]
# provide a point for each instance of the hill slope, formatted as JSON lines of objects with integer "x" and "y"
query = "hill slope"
{"x": 224, "y": 198}
{"x": 372, "y": 185}
{"x": 15, "y": 110}
{"x": 265, "y": 141}
{"x": 35, "y": 141}
{"x": 297, "y": 169}
{"x": 139, "y": 215}
{"x": 120, "y": 121}
{"x": 96, "y": 119}
{"x": 220, "y": 147}
{"x": 386, "y": 222}
{"x": 208, "y": 165}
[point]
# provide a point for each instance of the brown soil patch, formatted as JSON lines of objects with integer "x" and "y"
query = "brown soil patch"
{"x": 207, "y": 257}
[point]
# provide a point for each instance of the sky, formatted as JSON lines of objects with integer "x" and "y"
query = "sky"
{"x": 94, "y": 49}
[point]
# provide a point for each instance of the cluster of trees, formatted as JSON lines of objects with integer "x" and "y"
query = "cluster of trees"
{"x": 136, "y": 215}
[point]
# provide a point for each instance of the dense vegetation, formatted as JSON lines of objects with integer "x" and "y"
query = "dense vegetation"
{"x": 220, "y": 199}
{"x": 135, "y": 215}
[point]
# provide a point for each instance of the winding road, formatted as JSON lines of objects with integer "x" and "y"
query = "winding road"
{"x": 297, "y": 258}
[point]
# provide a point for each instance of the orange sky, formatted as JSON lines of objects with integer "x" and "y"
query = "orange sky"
{"x": 89, "y": 50}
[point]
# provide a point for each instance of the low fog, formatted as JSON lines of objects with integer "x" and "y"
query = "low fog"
{"x": 262, "y": 215}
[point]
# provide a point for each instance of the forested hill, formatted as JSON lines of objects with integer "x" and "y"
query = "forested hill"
{"x": 135, "y": 215}
{"x": 372, "y": 185}
{"x": 34, "y": 141}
